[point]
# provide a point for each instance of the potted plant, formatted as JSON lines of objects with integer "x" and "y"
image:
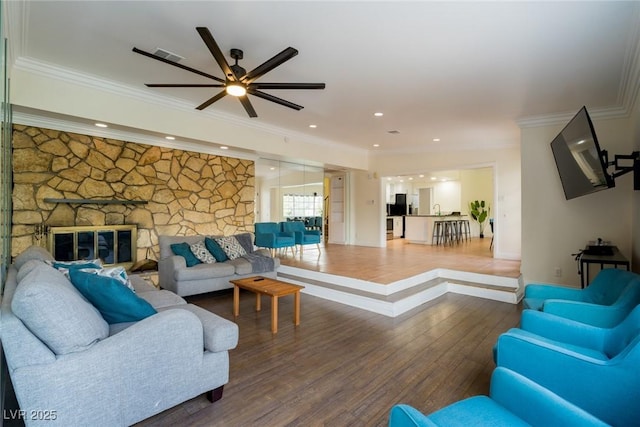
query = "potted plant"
{"x": 479, "y": 211}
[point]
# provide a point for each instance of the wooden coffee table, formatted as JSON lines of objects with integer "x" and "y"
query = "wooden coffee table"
{"x": 271, "y": 287}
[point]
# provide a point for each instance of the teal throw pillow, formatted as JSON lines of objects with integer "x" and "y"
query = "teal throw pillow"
{"x": 184, "y": 250}
{"x": 116, "y": 302}
{"x": 215, "y": 249}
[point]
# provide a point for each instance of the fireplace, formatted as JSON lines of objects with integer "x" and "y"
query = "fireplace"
{"x": 113, "y": 244}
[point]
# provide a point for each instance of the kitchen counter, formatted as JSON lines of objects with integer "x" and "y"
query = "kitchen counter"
{"x": 419, "y": 228}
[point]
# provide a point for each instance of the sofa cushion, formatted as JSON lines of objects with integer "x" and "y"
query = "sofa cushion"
{"x": 162, "y": 298}
{"x": 215, "y": 249}
{"x": 231, "y": 247}
{"x": 200, "y": 251}
{"x": 32, "y": 252}
{"x": 204, "y": 271}
{"x": 116, "y": 302}
{"x": 242, "y": 266}
{"x": 184, "y": 250}
{"x": 55, "y": 312}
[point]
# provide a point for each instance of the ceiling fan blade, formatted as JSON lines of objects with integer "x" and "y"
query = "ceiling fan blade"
{"x": 175, "y": 64}
{"x": 181, "y": 85}
{"x": 216, "y": 52}
{"x": 287, "y": 85}
{"x": 270, "y": 64}
{"x": 211, "y": 100}
{"x": 275, "y": 99}
{"x": 247, "y": 106}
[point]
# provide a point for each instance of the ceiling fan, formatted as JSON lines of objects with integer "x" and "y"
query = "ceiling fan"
{"x": 238, "y": 82}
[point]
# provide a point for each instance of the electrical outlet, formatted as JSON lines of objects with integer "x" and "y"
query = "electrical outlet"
{"x": 558, "y": 272}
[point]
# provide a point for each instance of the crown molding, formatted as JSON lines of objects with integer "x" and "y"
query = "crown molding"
{"x": 627, "y": 93}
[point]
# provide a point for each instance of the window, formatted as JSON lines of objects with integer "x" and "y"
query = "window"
{"x": 301, "y": 205}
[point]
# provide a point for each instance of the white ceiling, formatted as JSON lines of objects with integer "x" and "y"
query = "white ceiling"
{"x": 463, "y": 72}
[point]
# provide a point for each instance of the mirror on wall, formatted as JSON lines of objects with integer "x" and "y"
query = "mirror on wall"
{"x": 288, "y": 191}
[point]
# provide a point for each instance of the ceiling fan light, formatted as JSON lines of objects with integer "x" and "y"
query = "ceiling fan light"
{"x": 236, "y": 90}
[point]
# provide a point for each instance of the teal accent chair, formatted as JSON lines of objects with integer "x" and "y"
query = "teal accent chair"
{"x": 268, "y": 235}
{"x": 604, "y": 303}
{"x": 594, "y": 368}
{"x": 513, "y": 401}
{"x": 302, "y": 235}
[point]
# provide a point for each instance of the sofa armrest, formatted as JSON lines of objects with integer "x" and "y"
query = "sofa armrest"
{"x": 219, "y": 333}
{"x": 562, "y": 329}
{"x": 166, "y": 270}
{"x": 408, "y": 416}
{"x": 312, "y": 232}
{"x": 542, "y": 407}
{"x": 541, "y": 291}
{"x": 286, "y": 234}
{"x": 603, "y": 316}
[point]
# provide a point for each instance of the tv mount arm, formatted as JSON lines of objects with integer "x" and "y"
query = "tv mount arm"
{"x": 624, "y": 169}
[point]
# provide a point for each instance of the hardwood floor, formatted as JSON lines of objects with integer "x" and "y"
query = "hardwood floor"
{"x": 345, "y": 366}
{"x": 400, "y": 260}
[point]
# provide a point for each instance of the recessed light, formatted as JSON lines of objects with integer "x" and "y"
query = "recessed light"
{"x": 433, "y": 178}
{"x": 170, "y": 138}
{"x": 378, "y": 114}
{"x": 376, "y": 145}
{"x": 436, "y": 139}
{"x": 224, "y": 147}
{"x": 421, "y": 176}
{"x": 410, "y": 178}
{"x": 101, "y": 125}
{"x": 313, "y": 126}
{"x": 272, "y": 168}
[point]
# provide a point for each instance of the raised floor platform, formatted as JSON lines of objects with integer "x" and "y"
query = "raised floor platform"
{"x": 396, "y": 279}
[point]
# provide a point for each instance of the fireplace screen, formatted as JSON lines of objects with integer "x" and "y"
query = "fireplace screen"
{"x": 113, "y": 244}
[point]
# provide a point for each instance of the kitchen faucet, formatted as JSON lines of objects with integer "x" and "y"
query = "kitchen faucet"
{"x": 438, "y": 205}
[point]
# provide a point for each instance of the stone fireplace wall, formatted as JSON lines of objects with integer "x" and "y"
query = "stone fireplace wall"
{"x": 186, "y": 192}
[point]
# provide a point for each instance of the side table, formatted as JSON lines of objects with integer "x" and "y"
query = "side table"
{"x": 616, "y": 259}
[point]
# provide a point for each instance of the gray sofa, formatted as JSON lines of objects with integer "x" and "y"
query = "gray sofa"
{"x": 174, "y": 275}
{"x": 70, "y": 368}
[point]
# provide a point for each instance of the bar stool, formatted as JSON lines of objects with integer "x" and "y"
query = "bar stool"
{"x": 465, "y": 229}
{"x": 438, "y": 232}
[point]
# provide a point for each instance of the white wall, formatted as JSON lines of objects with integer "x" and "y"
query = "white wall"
{"x": 368, "y": 210}
{"x": 554, "y": 228}
{"x": 506, "y": 166}
{"x": 477, "y": 184}
{"x": 447, "y": 195}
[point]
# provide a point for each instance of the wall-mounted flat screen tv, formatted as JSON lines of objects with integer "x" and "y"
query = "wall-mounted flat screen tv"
{"x": 581, "y": 163}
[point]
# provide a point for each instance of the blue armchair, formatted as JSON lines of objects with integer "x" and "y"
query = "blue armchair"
{"x": 591, "y": 367}
{"x": 514, "y": 401}
{"x": 303, "y": 236}
{"x": 605, "y": 302}
{"x": 268, "y": 235}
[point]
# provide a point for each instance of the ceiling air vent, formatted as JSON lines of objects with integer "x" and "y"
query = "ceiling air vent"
{"x": 162, "y": 53}
{"x": 393, "y": 132}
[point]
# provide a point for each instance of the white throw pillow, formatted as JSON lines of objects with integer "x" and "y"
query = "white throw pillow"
{"x": 201, "y": 252}
{"x": 231, "y": 246}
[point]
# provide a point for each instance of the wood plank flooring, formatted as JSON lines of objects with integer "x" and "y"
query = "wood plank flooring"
{"x": 400, "y": 260}
{"x": 344, "y": 366}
